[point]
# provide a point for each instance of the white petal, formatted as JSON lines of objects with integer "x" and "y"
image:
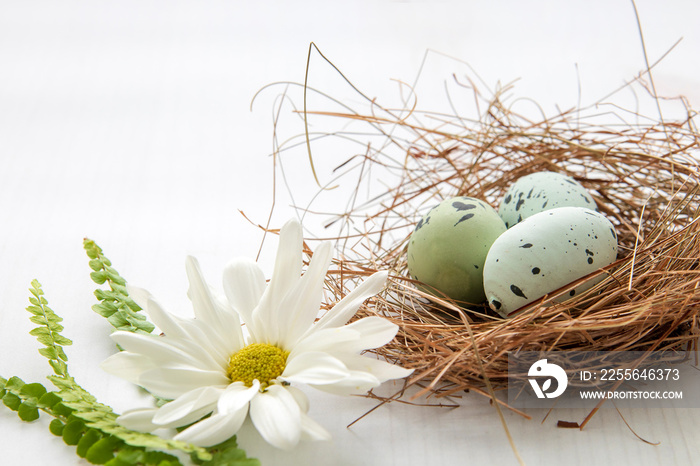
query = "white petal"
{"x": 208, "y": 308}
{"x": 311, "y": 430}
{"x": 374, "y": 332}
{"x": 173, "y": 382}
{"x": 165, "y": 321}
{"x": 214, "y": 430}
{"x": 300, "y": 397}
{"x": 187, "y": 335}
{"x": 244, "y": 284}
{"x": 277, "y": 417}
{"x": 348, "y": 306}
{"x": 357, "y": 383}
{"x": 230, "y": 333}
{"x": 314, "y": 368}
{"x": 127, "y": 366}
{"x": 139, "y": 420}
{"x": 158, "y": 349}
{"x": 285, "y": 274}
{"x": 265, "y": 324}
{"x": 300, "y": 306}
{"x": 188, "y": 408}
{"x": 381, "y": 369}
{"x": 229, "y": 337}
{"x": 327, "y": 340}
{"x": 198, "y": 293}
{"x": 237, "y": 396}
{"x": 201, "y": 335}
{"x": 366, "y": 333}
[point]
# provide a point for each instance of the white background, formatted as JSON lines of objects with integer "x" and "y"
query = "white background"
{"x": 129, "y": 122}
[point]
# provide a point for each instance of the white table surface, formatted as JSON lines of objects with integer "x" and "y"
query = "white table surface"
{"x": 129, "y": 122}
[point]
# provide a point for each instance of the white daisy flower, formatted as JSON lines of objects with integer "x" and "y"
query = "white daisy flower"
{"x": 208, "y": 366}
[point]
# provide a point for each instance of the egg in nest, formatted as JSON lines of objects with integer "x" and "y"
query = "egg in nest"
{"x": 546, "y": 252}
{"x": 449, "y": 245}
{"x": 542, "y": 191}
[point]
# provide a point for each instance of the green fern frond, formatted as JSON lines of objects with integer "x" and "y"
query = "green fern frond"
{"x": 97, "y": 416}
{"x": 115, "y": 305}
{"x": 48, "y": 331}
{"x": 78, "y": 417}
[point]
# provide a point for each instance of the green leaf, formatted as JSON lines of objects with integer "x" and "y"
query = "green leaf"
{"x": 15, "y": 383}
{"x": 73, "y": 431}
{"x": 99, "y": 277}
{"x": 103, "y": 450}
{"x": 95, "y": 264}
{"x": 61, "y": 340}
{"x": 61, "y": 354}
{"x": 159, "y": 459}
{"x": 126, "y": 458}
{"x": 50, "y": 352}
{"x": 41, "y": 332}
{"x": 118, "y": 321}
{"x": 93, "y": 250}
{"x": 56, "y": 427}
{"x": 105, "y": 309}
{"x": 49, "y": 400}
{"x": 33, "y": 390}
{"x": 37, "y": 319}
{"x": 62, "y": 410}
{"x": 36, "y": 310}
{"x": 59, "y": 367}
{"x": 113, "y": 276}
{"x": 12, "y": 401}
{"x": 129, "y": 457}
{"x": 86, "y": 441}
{"x": 27, "y": 412}
{"x": 227, "y": 454}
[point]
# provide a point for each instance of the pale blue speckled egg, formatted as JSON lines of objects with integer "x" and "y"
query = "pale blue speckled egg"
{"x": 542, "y": 191}
{"x": 545, "y": 252}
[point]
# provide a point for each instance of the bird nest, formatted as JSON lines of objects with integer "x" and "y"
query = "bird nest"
{"x": 643, "y": 176}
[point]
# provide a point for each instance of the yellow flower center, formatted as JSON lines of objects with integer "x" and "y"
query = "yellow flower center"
{"x": 259, "y": 361}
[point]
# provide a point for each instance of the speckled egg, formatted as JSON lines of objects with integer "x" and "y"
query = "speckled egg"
{"x": 542, "y": 191}
{"x": 545, "y": 252}
{"x": 449, "y": 245}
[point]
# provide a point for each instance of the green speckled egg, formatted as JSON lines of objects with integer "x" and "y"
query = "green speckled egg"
{"x": 448, "y": 248}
